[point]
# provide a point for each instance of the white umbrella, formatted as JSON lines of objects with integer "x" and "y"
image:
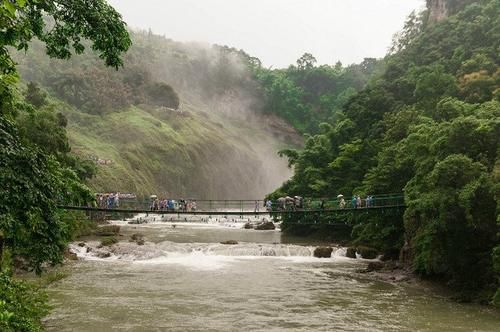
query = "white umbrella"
{"x": 340, "y": 196}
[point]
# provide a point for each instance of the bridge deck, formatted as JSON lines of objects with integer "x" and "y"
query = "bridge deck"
{"x": 230, "y": 213}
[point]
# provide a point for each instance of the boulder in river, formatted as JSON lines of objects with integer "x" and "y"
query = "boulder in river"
{"x": 136, "y": 237}
{"x": 69, "y": 255}
{"x": 229, "y": 242}
{"x": 367, "y": 253}
{"x": 108, "y": 230}
{"x": 104, "y": 255}
{"x": 109, "y": 241}
{"x": 323, "y": 252}
{"x": 374, "y": 266}
{"x": 351, "y": 252}
{"x": 248, "y": 226}
{"x": 81, "y": 244}
{"x": 266, "y": 226}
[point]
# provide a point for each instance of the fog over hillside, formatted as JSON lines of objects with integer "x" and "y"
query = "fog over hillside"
{"x": 217, "y": 144}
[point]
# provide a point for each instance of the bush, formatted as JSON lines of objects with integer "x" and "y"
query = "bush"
{"x": 22, "y": 306}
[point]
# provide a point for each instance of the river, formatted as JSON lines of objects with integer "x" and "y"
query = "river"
{"x": 183, "y": 279}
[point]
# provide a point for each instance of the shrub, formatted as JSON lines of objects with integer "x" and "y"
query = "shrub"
{"x": 22, "y": 306}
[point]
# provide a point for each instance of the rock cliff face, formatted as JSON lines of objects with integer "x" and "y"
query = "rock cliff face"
{"x": 441, "y": 9}
{"x": 438, "y": 10}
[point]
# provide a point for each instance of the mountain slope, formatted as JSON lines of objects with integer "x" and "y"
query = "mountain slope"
{"x": 215, "y": 145}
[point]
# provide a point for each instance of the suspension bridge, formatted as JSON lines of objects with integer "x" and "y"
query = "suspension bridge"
{"x": 309, "y": 207}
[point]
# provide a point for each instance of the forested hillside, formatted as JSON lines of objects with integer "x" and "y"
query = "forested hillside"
{"x": 307, "y": 95}
{"x": 178, "y": 119}
{"x": 429, "y": 126}
{"x": 208, "y": 119}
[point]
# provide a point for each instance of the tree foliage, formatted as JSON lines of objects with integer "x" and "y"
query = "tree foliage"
{"x": 307, "y": 95}
{"x": 428, "y": 127}
{"x": 36, "y": 170}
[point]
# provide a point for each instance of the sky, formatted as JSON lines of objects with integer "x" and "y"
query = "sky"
{"x": 278, "y": 32}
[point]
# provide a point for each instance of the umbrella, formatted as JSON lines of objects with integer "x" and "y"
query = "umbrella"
{"x": 340, "y": 196}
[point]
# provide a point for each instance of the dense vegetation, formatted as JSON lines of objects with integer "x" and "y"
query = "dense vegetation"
{"x": 424, "y": 121}
{"x": 36, "y": 170}
{"x": 306, "y": 95}
{"x": 429, "y": 126}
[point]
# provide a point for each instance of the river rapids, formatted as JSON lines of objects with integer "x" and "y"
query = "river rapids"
{"x": 183, "y": 279}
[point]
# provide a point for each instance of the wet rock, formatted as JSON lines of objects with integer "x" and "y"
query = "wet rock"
{"x": 136, "y": 237}
{"x": 401, "y": 278}
{"x": 267, "y": 226}
{"x": 229, "y": 242}
{"x": 108, "y": 230}
{"x": 248, "y": 226}
{"x": 367, "y": 253}
{"x": 406, "y": 254}
{"x": 81, "y": 244}
{"x": 109, "y": 241}
{"x": 323, "y": 252}
{"x": 351, "y": 253}
{"x": 69, "y": 255}
{"x": 392, "y": 266}
{"x": 374, "y": 266}
{"x": 390, "y": 255}
{"x": 104, "y": 255}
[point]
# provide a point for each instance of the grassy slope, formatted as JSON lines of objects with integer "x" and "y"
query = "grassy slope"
{"x": 217, "y": 146}
{"x": 160, "y": 151}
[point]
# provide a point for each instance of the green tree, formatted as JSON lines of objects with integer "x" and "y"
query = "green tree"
{"x": 34, "y": 95}
{"x": 70, "y": 22}
{"x": 306, "y": 61}
{"x": 415, "y": 130}
{"x": 32, "y": 180}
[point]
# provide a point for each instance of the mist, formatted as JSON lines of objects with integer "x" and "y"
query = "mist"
{"x": 278, "y": 31}
{"x": 218, "y": 144}
{"x": 215, "y": 82}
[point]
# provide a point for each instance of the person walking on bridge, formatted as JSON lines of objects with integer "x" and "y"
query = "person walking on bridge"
{"x": 269, "y": 205}
{"x": 256, "y": 206}
{"x": 342, "y": 202}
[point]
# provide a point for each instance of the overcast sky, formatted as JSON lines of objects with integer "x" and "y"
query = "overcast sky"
{"x": 277, "y": 31}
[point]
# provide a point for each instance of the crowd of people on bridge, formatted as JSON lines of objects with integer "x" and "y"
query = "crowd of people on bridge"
{"x": 297, "y": 203}
{"x": 287, "y": 203}
{"x": 112, "y": 200}
{"x": 184, "y": 205}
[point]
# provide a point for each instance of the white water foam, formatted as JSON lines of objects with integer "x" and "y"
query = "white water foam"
{"x": 199, "y": 221}
{"x": 201, "y": 256}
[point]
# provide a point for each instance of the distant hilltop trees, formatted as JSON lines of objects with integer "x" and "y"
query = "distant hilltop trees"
{"x": 90, "y": 86}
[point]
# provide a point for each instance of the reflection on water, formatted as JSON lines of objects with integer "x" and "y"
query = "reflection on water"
{"x": 189, "y": 282}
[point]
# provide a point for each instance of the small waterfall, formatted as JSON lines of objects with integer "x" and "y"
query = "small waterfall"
{"x": 129, "y": 251}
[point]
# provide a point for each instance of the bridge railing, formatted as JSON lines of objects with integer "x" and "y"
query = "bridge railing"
{"x": 376, "y": 201}
{"x": 353, "y": 203}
